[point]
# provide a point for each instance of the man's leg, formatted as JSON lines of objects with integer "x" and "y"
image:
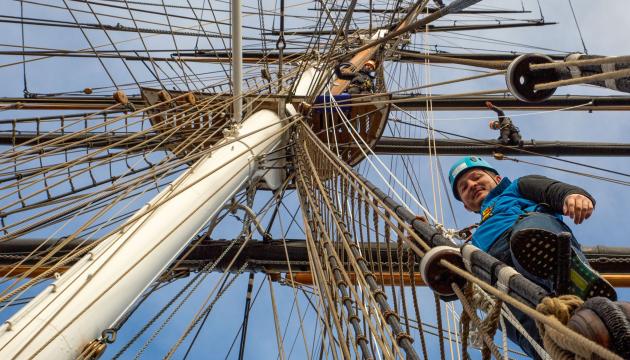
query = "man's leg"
{"x": 501, "y": 250}
{"x": 534, "y": 243}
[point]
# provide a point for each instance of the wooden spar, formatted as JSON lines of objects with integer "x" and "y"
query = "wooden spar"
{"x": 191, "y": 58}
{"x": 397, "y": 56}
{"x": 357, "y": 62}
{"x": 573, "y": 102}
{"x": 368, "y": 121}
{"x": 431, "y": 28}
{"x": 11, "y": 270}
{"x": 409, "y": 25}
{"x": 559, "y": 102}
{"x": 254, "y": 57}
{"x": 428, "y": 9}
{"x": 461, "y": 147}
{"x": 368, "y": 53}
{"x": 271, "y": 257}
{"x": 362, "y": 56}
{"x": 306, "y": 278}
{"x": 384, "y": 145}
{"x": 618, "y": 280}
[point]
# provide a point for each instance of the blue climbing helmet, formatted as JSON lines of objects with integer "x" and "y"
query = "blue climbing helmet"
{"x": 463, "y": 165}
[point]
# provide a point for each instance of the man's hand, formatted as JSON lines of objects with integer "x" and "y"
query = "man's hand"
{"x": 577, "y": 207}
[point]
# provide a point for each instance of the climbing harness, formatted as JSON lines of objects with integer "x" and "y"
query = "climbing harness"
{"x": 467, "y": 232}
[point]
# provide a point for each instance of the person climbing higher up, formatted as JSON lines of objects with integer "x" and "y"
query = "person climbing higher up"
{"x": 520, "y": 224}
{"x": 362, "y": 81}
{"x": 508, "y": 132}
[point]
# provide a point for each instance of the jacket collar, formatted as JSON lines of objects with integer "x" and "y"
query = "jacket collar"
{"x": 498, "y": 190}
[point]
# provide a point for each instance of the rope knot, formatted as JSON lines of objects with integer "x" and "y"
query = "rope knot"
{"x": 561, "y": 307}
{"x": 446, "y": 232}
{"x": 557, "y": 343}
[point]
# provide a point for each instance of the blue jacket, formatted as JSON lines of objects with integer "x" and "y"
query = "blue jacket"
{"x": 502, "y": 208}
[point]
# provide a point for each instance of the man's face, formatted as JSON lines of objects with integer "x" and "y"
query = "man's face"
{"x": 474, "y": 186}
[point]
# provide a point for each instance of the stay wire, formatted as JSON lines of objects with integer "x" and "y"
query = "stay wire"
{"x": 203, "y": 322}
{"x": 242, "y": 323}
{"x": 90, "y": 44}
{"x": 577, "y": 25}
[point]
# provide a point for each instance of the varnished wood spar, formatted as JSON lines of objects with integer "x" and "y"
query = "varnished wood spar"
{"x": 618, "y": 280}
{"x": 357, "y": 63}
{"x": 368, "y": 120}
{"x": 460, "y": 147}
{"x": 574, "y": 102}
{"x": 398, "y": 56}
{"x": 306, "y": 278}
{"x": 369, "y": 52}
{"x": 270, "y": 256}
{"x": 14, "y": 271}
{"x": 384, "y": 145}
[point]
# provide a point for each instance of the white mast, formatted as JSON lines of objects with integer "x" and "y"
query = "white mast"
{"x": 93, "y": 294}
{"x": 237, "y": 60}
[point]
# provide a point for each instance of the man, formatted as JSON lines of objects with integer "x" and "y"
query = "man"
{"x": 520, "y": 224}
{"x": 508, "y": 132}
{"x": 362, "y": 81}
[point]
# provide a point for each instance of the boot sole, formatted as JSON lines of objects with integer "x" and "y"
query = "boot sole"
{"x": 535, "y": 250}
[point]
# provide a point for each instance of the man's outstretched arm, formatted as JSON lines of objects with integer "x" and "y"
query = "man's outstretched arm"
{"x": 570, "y": 200}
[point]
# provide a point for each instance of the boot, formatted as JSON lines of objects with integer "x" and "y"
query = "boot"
{"x": 536, "y": 251}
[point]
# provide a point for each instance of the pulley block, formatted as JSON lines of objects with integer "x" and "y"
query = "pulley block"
{"x": 190, "y": 98}
{"x": 120, "y": 97}
{"x": 439, "y": 278}
{"x": 521, "y": 80}
{"x": 164, "y": 96}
